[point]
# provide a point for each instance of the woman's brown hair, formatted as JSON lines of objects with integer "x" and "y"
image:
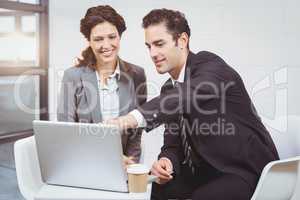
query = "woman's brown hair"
{"x": 94, "y": 16}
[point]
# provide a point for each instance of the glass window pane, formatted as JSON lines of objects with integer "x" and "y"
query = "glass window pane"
{"x": 18, "y": 50}
{"x": 19, "y": 38}
{"x": 27, "y": 1}
{"x": 30, "y": 1}
{"x": 27, "y": 52}
{"x": 19, "y": 102}
{"x": 29, "y": 23}
{"x": 2, "y": 10}
{"x": 7, "y": 24}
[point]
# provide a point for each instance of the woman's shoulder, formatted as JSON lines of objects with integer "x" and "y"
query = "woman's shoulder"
{"x": 135, "y": 69}
{"x": 74, "y": 72}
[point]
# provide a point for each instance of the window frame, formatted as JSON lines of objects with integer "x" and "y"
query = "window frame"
{"x": 43, "y": 56}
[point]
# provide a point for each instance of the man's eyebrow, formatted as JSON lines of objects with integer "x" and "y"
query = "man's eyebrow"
{"x": 154, "y": 42}
{"x": 157, "y": 41}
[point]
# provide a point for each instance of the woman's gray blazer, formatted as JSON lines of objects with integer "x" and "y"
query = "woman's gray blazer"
{"x": 79, "y": 99}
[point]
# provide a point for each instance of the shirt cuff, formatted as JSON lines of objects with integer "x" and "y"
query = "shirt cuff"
{"x": 165, "y": 158}
{"x": 139, "y": 118}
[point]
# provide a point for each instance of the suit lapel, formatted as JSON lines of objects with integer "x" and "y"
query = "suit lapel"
{"x": 91, "y": 88}
{"x": 124, "y": 83}
{"x": 167, "y": 86}
{"x": 189, "y": 64}
{"x": 90, "y": 84}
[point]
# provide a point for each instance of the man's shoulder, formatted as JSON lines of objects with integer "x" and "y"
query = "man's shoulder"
{"x": 206, "y": 56}
{"x": 211, "y": 63}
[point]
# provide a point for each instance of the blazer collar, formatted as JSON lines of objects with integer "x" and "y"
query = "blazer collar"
{"x": 187, "y": 70}
{"x": 125, "y": 83}
{"x": 90, "y": 84}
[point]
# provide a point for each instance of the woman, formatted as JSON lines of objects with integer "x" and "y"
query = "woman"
{"x": 103, "y": 86}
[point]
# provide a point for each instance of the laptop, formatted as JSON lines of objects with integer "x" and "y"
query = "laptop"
{"x": 80, "y": 155}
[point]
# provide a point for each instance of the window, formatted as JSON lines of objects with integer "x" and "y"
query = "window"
{"x": 19, "y": 99}
{"x": 18, "y": 38}
{"x": 27, "y": 1}
{"x": 23, "y": 65}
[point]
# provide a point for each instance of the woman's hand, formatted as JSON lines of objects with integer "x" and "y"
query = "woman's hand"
{"x": 127, "y": 161}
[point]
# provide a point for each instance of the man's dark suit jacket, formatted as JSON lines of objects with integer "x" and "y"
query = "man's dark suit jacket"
{"x": 223, "y": 127}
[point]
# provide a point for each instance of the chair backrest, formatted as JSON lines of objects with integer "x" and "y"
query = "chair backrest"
{"x": 27, "y": 167}
{"x": 287, "y": 142}
{"x": 281, "y": 176}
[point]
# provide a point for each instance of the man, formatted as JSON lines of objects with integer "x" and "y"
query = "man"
{"x": 215, "y": 145}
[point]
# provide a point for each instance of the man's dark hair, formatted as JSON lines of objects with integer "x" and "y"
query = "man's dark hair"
{"x": 174, "y": 20}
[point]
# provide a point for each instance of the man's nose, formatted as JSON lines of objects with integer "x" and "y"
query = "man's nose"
{"x": 153, "y": 53}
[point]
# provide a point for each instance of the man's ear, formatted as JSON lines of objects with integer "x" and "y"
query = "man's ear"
{"x": 183, "y": 40}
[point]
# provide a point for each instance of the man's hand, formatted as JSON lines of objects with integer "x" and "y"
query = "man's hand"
{"x": 123, "y": 122}
{"x": 127, "y": 161}
{"x": 163, "y": 169}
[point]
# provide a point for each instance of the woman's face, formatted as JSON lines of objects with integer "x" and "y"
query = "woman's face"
{"x": 105, "y": 42}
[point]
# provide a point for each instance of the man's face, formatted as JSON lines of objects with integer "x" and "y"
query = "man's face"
{"x": 105, "y": 42}
{"x": 164, "y": 51}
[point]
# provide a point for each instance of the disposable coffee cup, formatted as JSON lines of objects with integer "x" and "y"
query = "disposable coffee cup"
{"x": 138, "y": 178}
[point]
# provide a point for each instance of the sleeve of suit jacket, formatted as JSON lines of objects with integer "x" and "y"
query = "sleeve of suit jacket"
{"x": 133, "y": 147}
{"x": 184, "y": 99}
{"x": 66, "y": 110}
{"x": 171, "y": 147}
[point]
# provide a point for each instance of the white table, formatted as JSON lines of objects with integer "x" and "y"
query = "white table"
{"x": 53, "y": 192}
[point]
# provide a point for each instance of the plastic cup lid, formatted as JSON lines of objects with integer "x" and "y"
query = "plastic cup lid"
{"x": 137, "y": 169}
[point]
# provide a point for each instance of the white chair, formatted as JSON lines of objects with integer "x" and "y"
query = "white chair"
{"x": 32, "y": 187}
{"x": 280, "y": 179}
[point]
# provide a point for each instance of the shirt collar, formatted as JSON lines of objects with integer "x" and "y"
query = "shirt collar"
{"x": 181, "y": 75}
{"x": 116, "y": 73}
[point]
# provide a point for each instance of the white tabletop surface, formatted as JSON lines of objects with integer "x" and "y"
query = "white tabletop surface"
{"x": 52, "y": 192}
